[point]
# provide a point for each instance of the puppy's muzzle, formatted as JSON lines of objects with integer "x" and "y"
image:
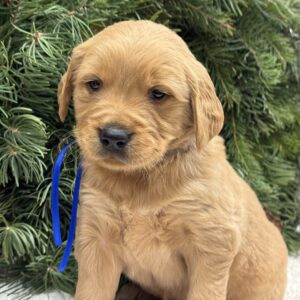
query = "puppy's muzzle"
{"x": 114, "y": 138}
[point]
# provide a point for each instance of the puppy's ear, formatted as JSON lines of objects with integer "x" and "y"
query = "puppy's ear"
{"x": 65, "y": 87}
{"x": 207, "y": 110}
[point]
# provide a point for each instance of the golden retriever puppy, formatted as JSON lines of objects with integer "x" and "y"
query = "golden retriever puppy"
{"x": 159, "y": 201}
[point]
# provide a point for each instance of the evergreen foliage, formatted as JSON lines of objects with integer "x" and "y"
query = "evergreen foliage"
{"x": 251, "y": 49}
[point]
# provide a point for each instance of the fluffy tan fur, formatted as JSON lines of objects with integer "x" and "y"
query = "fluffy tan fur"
{"x": 172, "y": 215}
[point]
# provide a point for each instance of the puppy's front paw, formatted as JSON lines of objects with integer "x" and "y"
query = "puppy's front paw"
{"x": 131, "y": 291}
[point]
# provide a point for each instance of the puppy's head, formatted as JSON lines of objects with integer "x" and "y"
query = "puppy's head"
{"x": 138, "y": 92}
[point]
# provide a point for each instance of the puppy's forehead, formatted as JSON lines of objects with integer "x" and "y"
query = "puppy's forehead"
{"x": 140, "y": 48}
{"x": 142, "y": 32}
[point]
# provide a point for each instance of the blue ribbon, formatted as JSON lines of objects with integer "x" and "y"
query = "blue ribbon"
{"x": 55, "y": 208}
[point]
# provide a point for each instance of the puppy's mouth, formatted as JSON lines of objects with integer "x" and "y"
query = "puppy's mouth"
{"x": 113, "y": 157}
{"x": 125, "y": 161}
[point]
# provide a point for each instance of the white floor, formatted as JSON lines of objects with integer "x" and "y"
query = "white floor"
{"x": 293, "y": 289}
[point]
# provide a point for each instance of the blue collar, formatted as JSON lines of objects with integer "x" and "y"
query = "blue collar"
{"x": 55, "y": 207}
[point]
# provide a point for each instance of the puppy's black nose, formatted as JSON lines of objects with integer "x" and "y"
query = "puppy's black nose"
{"x": 114, "y": 138}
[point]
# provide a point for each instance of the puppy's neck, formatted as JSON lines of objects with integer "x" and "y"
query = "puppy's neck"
{"x": 182, "y": 150}
{"x": 162, "y": 182}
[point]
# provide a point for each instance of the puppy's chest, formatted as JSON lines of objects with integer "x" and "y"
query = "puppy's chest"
{"x": 149, "y": 246}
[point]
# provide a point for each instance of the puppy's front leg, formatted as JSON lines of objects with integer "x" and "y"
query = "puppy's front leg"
{"x": 97, "y": 252}
{"x": 98, "y": 272}
{"x": 208, "y": 278}
{"x": 208, "y": 262}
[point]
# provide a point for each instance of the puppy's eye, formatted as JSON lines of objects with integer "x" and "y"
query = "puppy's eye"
{"x": 94, "y": 85}
{"x": 157, "y": 95}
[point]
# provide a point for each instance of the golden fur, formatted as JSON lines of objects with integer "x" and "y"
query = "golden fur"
{"x": 172, "y": 215}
